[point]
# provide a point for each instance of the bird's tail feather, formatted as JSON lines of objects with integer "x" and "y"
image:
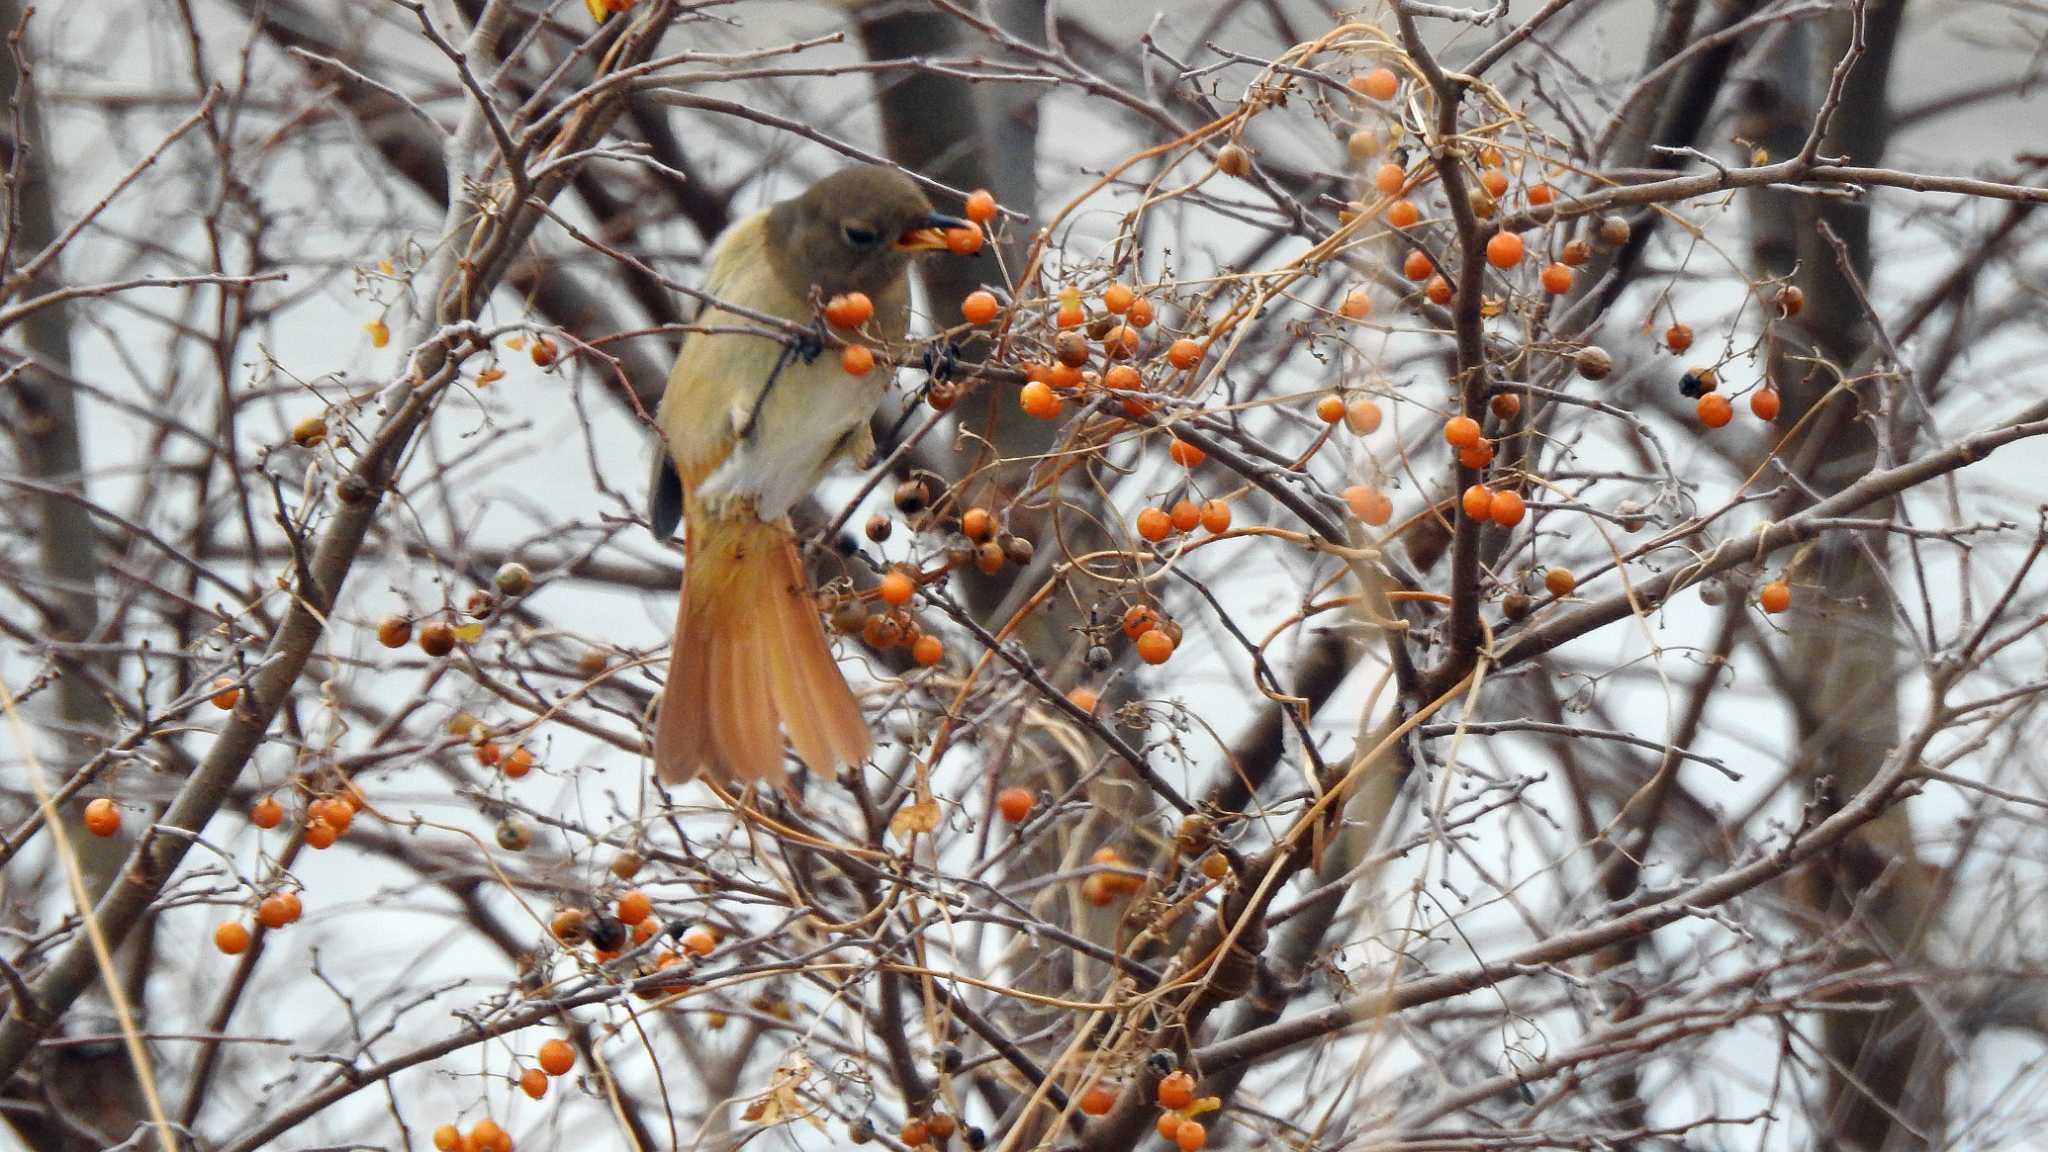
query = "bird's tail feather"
{"x": 751, "y": 659}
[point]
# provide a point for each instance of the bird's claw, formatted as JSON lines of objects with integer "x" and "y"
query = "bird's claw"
{"x": 811, "y": 344}
{"x": 942, "y": 360}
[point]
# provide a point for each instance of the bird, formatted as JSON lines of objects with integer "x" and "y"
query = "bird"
{"x": 751, "y": 421}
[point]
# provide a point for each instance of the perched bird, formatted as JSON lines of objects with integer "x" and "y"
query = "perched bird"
{"x": 751, "y": 424}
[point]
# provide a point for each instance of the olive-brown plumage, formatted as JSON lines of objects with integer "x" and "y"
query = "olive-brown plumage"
{"x": 750, "y": 426}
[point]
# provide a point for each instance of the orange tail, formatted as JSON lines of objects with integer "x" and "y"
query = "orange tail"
{"x": 751, "y": 659}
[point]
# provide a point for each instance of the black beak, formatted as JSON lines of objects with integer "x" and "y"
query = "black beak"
{"x": 929, "y": 234}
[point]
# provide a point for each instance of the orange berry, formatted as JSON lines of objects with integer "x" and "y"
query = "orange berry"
{"x": 232, "y": 937}
{"x": 1118, "y": 298}
{"x": 1155, "y": 647}
{"x": 394, "y": 632}
{"x": 1790, "y": 300}
{"x": 1070, "y": 315}
{"x": 1504, "y": 250}
{"x": 544, "y": 352}
{"x": 517, "y": 763}
{"x": 333, "y": 812}
{"x": 1176, "y": 1090}
{"x": 857, "y": 359}
{"x": 1140, "y": 315}
{"x": 534, "y": 1083}
{"x": 979, "y": 307}
{"x": 977, "y": 524}
{"x": 1119, "y": 342}
{"x": 1477, "y": 456}
{"x": 437, "y": 638}
{"x": 1575, "y": 253}
{"x": 1462, "y": 432}
{"x": 980, "y": 206}
{"x": 645, "y": 930}
{"x": 1380, "y": 84}
{"x": 1715, "y": 410}
{"x": 1362, "y": 416}
{"x": 1184, "y": 353}
{"x": 1765, "y": 402}
{"x": 850, "y": 310}
{"x": 488, "y": 754}
{"x": 1438, "y": 290}
{"x": 634, "y": 906}
{"x": 1357, "y": 305}
{"x": 1775, "y": 596}
{"x": 1678, "y": 337}
{"x": 1138, "y": 620}
{"x": 1154, "y": 524}
{"x": 484, "y": 1133}
{"x": 941, "y": 1126}
{"x": 1507, "y": 509}
{"x": 447, "y": 1138}
{"x": 1541, "y": 194}
{"x": 1216, "y": 516}
{"x": 1137, "y": 407}
{"x": 225, "y": 693}
{"x": 1015, "y": 804}
{"x": 1233, "y": 160}
{"x": 556, "y": 1056}
{"x": 1097, "y": 1100}
{"x": 1191, "y": 1136}
{"x": 102, "y": 818}
{"x": 1038, "y": 399}
{"x": 1494, "y": 181}
{"x": 1064, "y": 377}
{"x": 1418, "y": 265}
{"x": 1084, "y": 698}
{"x": 1557, "y": 279}
{"x": 320, "y": 834}
{"x": 274, "y": 912}
{"x": 1186, "y": 515}
{"x": 1477, "y": 502}
{"x": 293, "y": 906}
{"x": 1185, "y": 454}
{"x": 1559, "y": 581}
{"x": 1215, "y": 866}
{"x": 897, "y": 587}
{"x": 1169, "y": 1122}
{"x": 1369, "y": 504}
{"x": 928, "y": 650}
{"x": 699, "y": 941}
{"x": 267, "y": 813}
{"x": 1403, "y": 213}
{"x": 570, "y": 926}
{"x": 964, "y": 241}
{"x": 1505, "y": 406}
{"x": 915, "y": 1132}
{"x": 1123, "y": 377}
{"x": 1389, "y": 178}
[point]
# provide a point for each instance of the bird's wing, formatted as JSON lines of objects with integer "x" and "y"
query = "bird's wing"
{"x": 717, "y": 376}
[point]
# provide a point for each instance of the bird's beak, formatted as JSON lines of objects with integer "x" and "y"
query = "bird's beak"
{"x": 929, "y": 234}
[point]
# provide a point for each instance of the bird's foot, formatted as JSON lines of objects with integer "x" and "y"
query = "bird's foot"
{"x": 942, "y": 360}
{"x": 811, "y": 344}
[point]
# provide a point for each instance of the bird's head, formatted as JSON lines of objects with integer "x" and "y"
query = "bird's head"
{"x": 856, "y": 230}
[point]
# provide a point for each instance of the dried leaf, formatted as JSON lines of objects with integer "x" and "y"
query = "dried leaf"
{"x": 922, "y": 816}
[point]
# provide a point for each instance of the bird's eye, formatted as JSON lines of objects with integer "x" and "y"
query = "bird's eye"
{"x": 860, "y": 235}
